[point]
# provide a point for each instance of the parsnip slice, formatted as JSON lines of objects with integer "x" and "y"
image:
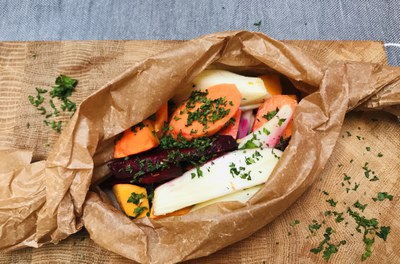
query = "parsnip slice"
{"x": 252, "y": 88}
{"x": 229, "y": 173}
{"x": 240, "y": 196}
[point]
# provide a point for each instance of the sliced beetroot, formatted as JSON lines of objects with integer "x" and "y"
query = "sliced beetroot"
{"x": 157, "y": 159}
{"x": 155, "y": 177}
{"x": 162, "y": 175}
{"x": 126, "y": 168}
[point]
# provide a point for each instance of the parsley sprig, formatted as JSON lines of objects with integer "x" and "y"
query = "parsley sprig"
{"x": 64, "y": 87}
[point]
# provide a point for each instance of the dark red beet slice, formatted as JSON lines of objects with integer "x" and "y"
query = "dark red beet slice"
{"x": 148, "y": 178}
{"x": 157, "y": 159}
{"x": 161, "y": 175}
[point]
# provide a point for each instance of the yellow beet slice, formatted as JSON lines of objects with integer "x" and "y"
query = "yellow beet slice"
{"x": 132, "y": 199}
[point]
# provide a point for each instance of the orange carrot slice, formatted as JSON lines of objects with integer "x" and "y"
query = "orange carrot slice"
{"x": 136, "y": 139}
{"x": 270, "y": 107}
{"x": 272, "y": 83}
{"x": 179, "y": 212}
{"x": 205, "y": 113}
{"x": 232, "y": 129}
{"x": 161, "y": 117}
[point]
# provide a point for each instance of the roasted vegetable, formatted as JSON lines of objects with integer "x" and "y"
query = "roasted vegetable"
{"x": 269, "y": 134}
{"x": 162, "y": 175}
{"x": 246, "y": 122}
{"x": 137, "y": 139}
{"x": 240, "y": 196}
{"x": 253, "y": 89}
{"x": 138, "y": 165}
{"x": 132, "y": 199}
{"x": 233, "y": 127}
{"x": 205, "y": 113}
{"x": 229, "y": 173}
{"x": 269, "y": 109}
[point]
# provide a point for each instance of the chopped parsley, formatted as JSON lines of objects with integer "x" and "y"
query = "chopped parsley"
{"x": 201, "y": 143}
{"x": 370, "y": 227}
{"x": 271, "y": 114}
{"x": 339, "y": 216}
{"x": 294, "y": 223}
{"x": 250, "y": 144}
{"x": 356, "y": 185}
{"x": 331, "y": 202}
{"x": 266, "y": 131}
{"x": 360, "y": 206}
{"x": 366, "y": 170}
{"x": 135, "y": 198}
{"x": 239, "y": 172}
{"x": 281, "y": 121}
{"x": 199, "y": 172}
{"x": 346, "y": 177}
{"x": 258, "y": 24}
{"x": 249, "y": 160}
{"x": 375, "y": 178}
{"x": 326, "y": 246}
{"x": 314, "y": 226}
{"x": 382, "y": 196}
{"x": 139, "y": 210}
{"x": 231, "y": 121}
{"x": 276, "y": 156}
{"x": 128, "y": 168}
{"x": 204, "y": 110}
{"x": 62, "y": 90}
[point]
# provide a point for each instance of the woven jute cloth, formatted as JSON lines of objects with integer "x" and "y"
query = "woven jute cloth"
{"x": 26, "y": 65}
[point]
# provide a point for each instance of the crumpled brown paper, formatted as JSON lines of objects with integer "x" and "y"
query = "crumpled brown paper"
{"x": 44, "y": 202}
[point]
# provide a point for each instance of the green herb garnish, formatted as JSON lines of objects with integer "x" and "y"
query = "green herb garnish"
{"x": 271, "y": 114}
{"x": 135, "y": 198}
{"x": 139, "y": 210}
{"x": 331, "y": 202}
{"x": 360, "y": 206}
{"x": 382, "y": 196}
{"x": 258, "y": 24}
{"x": 294, "y": 223}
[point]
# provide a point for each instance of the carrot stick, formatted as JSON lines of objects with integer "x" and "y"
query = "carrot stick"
{"x": 232, "y": 129}
{"x": 136, "y": 139}
{"x": 270, "y": 107}
{"x": 161, "y": 117}
{"x": 272, "y": 83}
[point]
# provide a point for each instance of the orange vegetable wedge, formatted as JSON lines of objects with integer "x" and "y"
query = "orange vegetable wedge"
{"x": 179, "y": 212}
{"x": 272, "y": 83}
{"x": 269, "y": 106}
{"x": 232, "y": 129}
{"x": 227, "y": 93}
{"x": 136, "y": 139}
{"x": 122, "y": 194}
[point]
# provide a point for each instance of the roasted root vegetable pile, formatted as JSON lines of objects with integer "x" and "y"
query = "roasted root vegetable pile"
{"x": 221, "y": 144}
